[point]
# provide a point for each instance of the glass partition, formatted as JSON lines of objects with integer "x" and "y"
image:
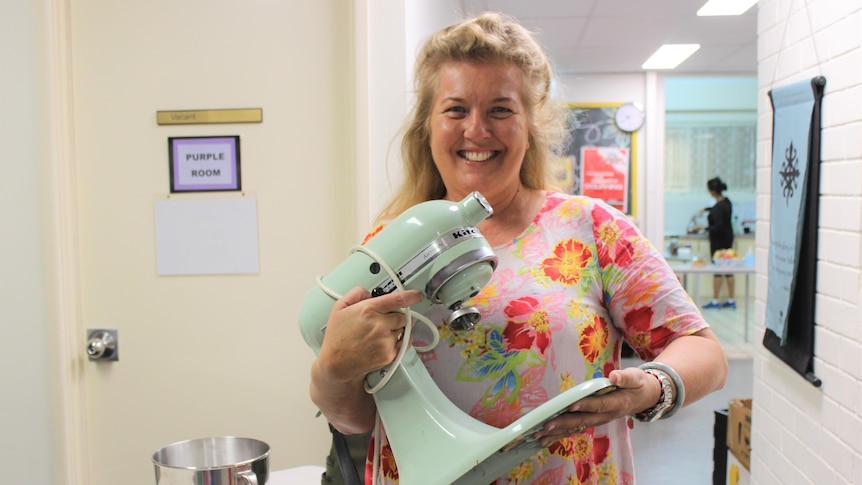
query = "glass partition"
{"x": 710, "y": 131}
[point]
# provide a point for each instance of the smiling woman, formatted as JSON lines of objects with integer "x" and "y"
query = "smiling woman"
{"x": 574, "y": 280}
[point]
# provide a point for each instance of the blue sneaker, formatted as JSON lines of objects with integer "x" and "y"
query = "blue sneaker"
{"x": 712, "y": 304}
{"x": 729, "y": 304}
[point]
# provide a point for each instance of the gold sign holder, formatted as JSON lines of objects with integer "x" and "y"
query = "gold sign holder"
{"x": 209, "y": 116}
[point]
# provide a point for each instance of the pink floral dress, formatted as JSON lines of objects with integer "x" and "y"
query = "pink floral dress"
{"x": 566, "y": 293}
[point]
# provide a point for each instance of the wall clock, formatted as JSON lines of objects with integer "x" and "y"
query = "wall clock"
{"x": 629, "y": 117}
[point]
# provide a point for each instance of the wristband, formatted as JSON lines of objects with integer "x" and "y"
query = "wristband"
{"x": 665, "y": 399}
{"x": 679, "y": 399}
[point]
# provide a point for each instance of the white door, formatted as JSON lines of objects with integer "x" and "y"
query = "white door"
{"x": 217, "y": 355}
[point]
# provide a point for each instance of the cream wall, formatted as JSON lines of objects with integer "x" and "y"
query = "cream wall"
{"x": 802, "y": 434}
{"x": 83, "y": 163}
{"x": 208, "y": 355}
{"x": 27, "y": 434}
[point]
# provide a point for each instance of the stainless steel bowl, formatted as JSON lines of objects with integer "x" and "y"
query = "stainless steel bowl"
{"x": 213, "y": 461}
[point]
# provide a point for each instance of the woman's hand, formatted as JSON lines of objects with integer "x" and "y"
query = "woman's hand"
{"x": 699, "y": 360}
{"x": 362, "y": 335}
{"x": 636, "y": 391}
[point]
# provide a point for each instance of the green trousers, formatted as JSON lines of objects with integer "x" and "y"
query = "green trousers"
{"x": 357, "y": 445}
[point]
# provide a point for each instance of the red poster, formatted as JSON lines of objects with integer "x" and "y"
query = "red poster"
{"x": 605, "y": 174}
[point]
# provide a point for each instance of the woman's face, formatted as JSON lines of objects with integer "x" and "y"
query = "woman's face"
{"x": 479, "y": 130}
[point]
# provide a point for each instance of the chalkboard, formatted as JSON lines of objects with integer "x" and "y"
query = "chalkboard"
{"x": 599, "y": 158}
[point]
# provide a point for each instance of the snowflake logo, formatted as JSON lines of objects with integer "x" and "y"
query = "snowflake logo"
{"x": 789, "y": 173}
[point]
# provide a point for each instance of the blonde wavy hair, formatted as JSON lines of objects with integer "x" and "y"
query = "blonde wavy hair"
{"x": 489, "y": 38}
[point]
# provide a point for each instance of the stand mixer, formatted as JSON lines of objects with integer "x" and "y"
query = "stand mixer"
{"x": 434, "y": 247}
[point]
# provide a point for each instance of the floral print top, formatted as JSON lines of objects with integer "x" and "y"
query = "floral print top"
{"x": 565, "y": 294}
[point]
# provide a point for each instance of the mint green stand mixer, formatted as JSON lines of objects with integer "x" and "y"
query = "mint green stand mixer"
{"x": 436, "y": 248}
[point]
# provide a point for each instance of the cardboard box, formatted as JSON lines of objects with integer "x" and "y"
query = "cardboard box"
{"x": 736, "y": 473}
{"x": 739, "y": 430}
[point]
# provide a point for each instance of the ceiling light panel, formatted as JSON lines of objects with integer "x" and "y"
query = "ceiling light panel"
{"x": 725, "y": 7}
{"x": 669, "y": 56}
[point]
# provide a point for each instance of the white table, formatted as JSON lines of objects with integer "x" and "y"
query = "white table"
{"x": 688, "y": 269}
{"x": 302, "y": 475}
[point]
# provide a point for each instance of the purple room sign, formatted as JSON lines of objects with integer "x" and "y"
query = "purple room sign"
{"x": 199, "y": 164}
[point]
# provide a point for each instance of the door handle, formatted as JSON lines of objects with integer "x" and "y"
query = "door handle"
{"x": 102, "y": 345}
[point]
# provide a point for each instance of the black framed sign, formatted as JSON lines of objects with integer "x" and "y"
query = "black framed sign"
{"x": 202, "y": 164}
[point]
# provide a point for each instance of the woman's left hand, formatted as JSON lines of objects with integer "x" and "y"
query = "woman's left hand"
{"x": 636, "y": 391}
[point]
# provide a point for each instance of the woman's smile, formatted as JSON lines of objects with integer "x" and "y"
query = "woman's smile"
{"x": 475, "y": 156}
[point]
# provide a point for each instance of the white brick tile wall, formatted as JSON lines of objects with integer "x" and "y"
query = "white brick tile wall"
{"x": 840, "y": 457}
{"x": 826, "y": 345}
{"x": 852, "y": 141}
{"x": 841, "y": 213}
{"x": 840, "y": 177}
{"x": 826, "y": 14}
{"x": 849, "y": 429}
{"x": 785, "y": 471}
{"x": 834, "y": 144}
{"x": 802, "y": 434}
{"x": 844, "y": 106}
{"x": 839, "y": 247}
{"x": 850, "y": 360}
{"x": 842, "y": 33}
{"x": 839, "y": 281}
{"x": 841, "y": 386}
{"x": 833, "y": 67}
{"x": 837, "y": 316}
{"x": 831, "y": 411}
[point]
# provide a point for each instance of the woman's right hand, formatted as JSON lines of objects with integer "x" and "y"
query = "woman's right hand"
{"x": 363, "y": 333}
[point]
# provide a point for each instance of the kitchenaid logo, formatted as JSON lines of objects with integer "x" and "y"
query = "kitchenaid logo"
{"x": 465, "y": 232}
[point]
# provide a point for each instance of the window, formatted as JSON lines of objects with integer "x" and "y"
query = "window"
{"x": 697, "y": 152}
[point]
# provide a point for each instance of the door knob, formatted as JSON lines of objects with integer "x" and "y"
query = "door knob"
{"x": 102, "y": 345}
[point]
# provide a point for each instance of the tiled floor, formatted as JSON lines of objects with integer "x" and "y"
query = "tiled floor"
{"x": 729, "y": 326}
{"x": 679, "y": 450}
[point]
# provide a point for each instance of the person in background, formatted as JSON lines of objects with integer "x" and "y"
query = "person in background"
{"x": 575, "y": 278}
{"x": 720, "y": 231}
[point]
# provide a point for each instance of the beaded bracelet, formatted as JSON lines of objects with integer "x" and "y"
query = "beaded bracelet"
{"x": 677, "y": 382}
